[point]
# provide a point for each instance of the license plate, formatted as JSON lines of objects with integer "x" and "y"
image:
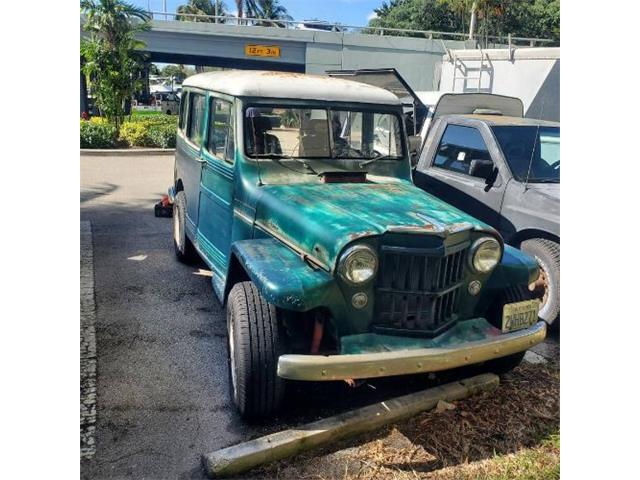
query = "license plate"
{"x": 262, "y": 50}
{"x": 519, "y": 315}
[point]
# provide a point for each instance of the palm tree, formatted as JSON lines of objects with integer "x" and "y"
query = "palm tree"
{"x": 112, "y": 56}
{"x": 272, "y": 10}
{"x": 248, "y": 8}
{"x": 114, "y": 20}
{"x": 202, "y": 7}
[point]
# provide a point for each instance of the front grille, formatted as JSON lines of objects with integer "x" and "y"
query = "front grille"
{"x": 417, "y": 290}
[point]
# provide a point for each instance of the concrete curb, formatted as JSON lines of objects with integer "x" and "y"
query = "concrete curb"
{"x": 88, "y": 356}
{"x": 244, "y": 456}
{"x": 125, "y": 152}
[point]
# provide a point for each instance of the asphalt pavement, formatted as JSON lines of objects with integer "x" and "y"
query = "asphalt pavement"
{"x": 162, "y": 378}
{"x": 163, "y": 394}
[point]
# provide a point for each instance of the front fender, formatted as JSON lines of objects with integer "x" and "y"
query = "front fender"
{"x": 283, "y": 278}
{"x": 516, "y": 268}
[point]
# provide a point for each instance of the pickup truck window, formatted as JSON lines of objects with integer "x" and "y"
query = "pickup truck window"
{"x": 533, "y": 153}
{"x": 458, "y": 146}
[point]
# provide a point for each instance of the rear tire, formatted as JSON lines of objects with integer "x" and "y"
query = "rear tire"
{"x": 184, "y": 249}
{"x": 547, "y": 254}
{"x": 255, "y": 342}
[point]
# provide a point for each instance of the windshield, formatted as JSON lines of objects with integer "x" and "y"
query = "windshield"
{"x": 301, "y": 132}
{"x": 533, "y": 153}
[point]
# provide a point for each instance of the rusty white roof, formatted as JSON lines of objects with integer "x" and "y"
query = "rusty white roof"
{"x": 253, "y": 83}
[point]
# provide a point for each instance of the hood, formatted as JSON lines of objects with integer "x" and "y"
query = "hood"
{"x": 321, "y": 219}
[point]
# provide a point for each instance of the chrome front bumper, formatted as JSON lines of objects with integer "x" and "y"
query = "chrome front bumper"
{"x": 402, "y": 362}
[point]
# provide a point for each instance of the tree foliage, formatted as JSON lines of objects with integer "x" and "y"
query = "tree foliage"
{"x": 179, "y": 72}
{"x": 260, "y": 9}
{"x": 202, "y": 7}
{"x": 113, "y": 60}
{"x": 271, "y": 10}
{"x": 522, "y": 18}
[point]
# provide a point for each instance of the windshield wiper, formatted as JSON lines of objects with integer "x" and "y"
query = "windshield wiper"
{"x": 287, "y": 157}
{"x": 375, "y": 159}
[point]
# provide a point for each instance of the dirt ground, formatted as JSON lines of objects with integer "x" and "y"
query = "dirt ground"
{"x": 512, "y": 432}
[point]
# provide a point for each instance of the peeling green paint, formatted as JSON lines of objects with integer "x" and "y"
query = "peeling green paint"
{"x": 322, "y": 219}
{"x": 466, "y": 331}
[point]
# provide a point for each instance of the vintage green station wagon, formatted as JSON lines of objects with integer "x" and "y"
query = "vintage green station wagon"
{"x": 297, "y": 191}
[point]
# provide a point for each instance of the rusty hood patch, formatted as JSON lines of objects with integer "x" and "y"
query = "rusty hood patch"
{"x": 321, "y": 219}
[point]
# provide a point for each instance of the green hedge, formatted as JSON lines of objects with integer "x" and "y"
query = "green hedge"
{"x": 97, "y": 135}
{"x": 157, "y": 131}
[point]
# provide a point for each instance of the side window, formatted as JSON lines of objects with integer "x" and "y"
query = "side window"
{"x": 220, "y": 140}
{"x": 196, "y": 117}
{"x": 183, "y": 111}
{"x": 458, "y": 146}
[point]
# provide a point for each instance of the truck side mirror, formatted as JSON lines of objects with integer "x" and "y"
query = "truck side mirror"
{"x": 483, "y": 169}
{"x": 415, "y": 142}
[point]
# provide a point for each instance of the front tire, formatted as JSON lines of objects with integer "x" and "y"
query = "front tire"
{"x": 547, "y": 254}
{"x": 184, "y": 249}
{"x": 255, "y": 342}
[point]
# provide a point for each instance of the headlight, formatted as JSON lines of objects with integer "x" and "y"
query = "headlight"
{"x": 358, "y": 264}
{"x": 485, "y": 254}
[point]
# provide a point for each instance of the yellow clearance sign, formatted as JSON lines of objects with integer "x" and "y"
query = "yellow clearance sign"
{"x": 262, "y": 50}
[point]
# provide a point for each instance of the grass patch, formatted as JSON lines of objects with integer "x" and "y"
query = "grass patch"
{"x": 539, "y": 463}
{"x": 146, "y": 113}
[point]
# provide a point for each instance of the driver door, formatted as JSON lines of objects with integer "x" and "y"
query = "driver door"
{"x": 445, "y": 173}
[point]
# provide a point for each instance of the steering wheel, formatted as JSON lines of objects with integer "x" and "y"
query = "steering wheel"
{"x": 555, "y": 165}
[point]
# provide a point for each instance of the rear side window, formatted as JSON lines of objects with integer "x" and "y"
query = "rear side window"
{"x": 220, "y": 139}
{"x": 196, "y": 118}
{"x": 458, "y": 146}
{"x": 183, "y": 110}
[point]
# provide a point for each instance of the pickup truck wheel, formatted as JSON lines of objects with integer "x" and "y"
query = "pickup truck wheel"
{"x": 547, "y": 287}
{"x": 255, "y": 343}
{"x": 184, "y": 249}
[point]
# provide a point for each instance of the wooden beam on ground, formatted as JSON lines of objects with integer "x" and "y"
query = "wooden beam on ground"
{"x": 244, "y": 456}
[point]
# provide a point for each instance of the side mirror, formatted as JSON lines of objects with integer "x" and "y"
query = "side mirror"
{"x": 415, "y": 142}
{"x": 483, "y": 169}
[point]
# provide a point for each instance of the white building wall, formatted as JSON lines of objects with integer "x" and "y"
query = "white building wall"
{"x": 531, "y": 74}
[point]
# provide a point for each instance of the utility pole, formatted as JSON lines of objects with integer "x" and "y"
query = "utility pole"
{"x": 472, "y": 24}
{"x": 216, "y": 10}
{"x": 164, "y": 9}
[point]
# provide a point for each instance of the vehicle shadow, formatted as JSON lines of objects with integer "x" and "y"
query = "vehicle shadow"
{"x": 87, "y": 194}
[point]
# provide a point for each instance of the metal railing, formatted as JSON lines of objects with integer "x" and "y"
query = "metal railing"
{"x": 315, "y": 25}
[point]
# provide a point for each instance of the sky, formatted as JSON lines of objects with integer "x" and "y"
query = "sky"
{"x": 347, "y": 12}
